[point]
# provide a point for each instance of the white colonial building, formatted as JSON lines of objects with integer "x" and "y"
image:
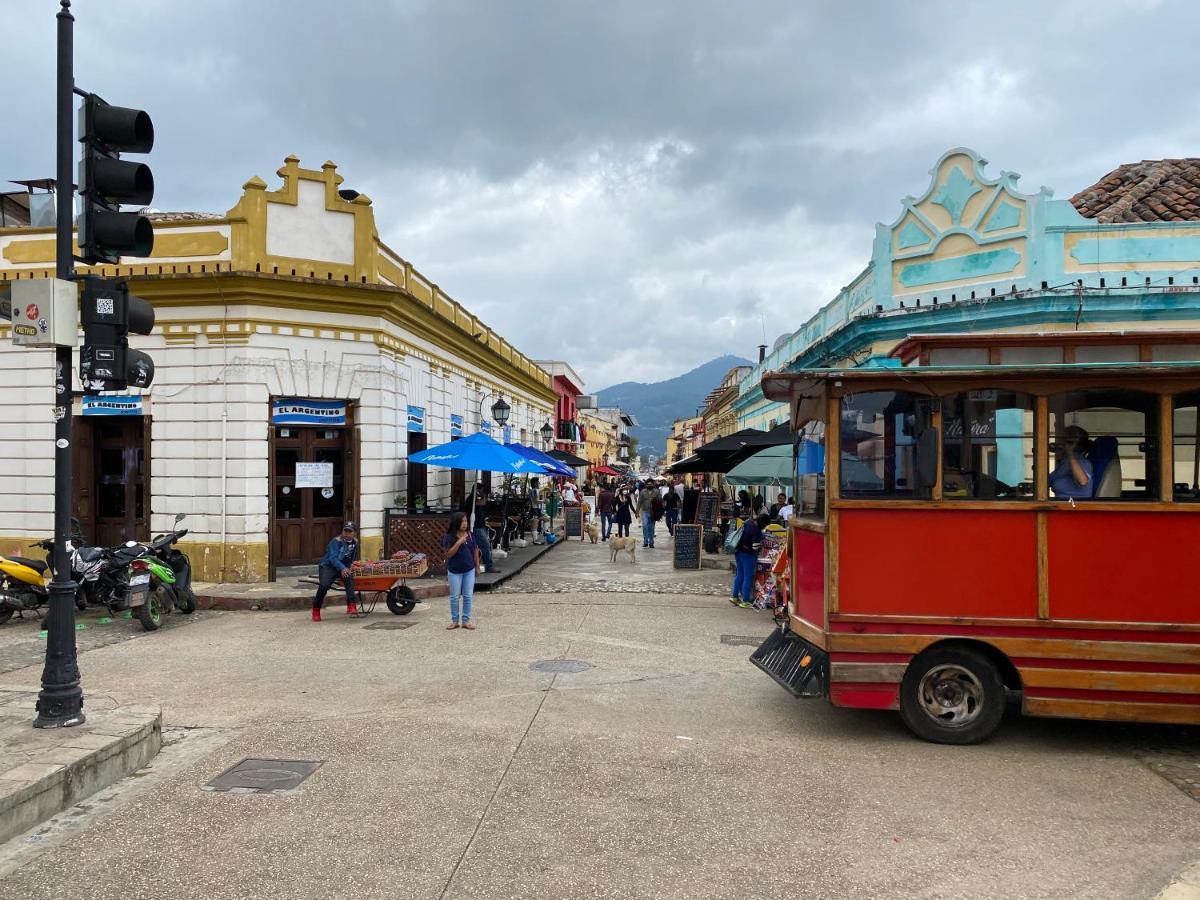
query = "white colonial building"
{"x": 299, "y": 362}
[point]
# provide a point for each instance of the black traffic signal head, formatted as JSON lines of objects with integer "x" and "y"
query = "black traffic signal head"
{"x": 109, "y": 314}
{"x": 106, "y": 181}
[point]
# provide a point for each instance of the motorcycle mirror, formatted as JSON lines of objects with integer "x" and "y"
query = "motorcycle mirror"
{"x": 179, "y": 517}
{"x": 131, "y": 543}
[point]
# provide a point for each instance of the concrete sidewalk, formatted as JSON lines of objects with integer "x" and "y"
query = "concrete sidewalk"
{"x": 43, "y": 771}
{"x": 294, "y": 591}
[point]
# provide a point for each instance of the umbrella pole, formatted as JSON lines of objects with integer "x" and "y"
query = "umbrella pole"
{"x": 504, "y": 514}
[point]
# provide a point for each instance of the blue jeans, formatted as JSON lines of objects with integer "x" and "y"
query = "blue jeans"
{"x": 743, "y": 577}
{"x": 672, "y": 516}
{"x": 647, "y": 529}
{"x": 606, "y": 524}
{"x": 485, "y": 548}
{"x": 462, "y": 584}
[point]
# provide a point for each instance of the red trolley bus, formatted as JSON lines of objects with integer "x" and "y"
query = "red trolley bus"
{"x": 984, "y": 530}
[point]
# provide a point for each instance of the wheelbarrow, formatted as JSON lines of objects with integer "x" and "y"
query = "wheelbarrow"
{"x": 386, "y": 580}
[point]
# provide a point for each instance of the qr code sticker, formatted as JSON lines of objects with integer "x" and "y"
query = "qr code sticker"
{"x": 104, "y": 306}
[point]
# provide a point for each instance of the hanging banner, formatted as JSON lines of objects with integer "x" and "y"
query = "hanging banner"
{"x": 508, "y": 434}
{"x": 416, "y": 418}
{"x": 297, "y": 411}
{"x": 456, "y": 425}
{"x": 94, "y": 405}
{"x": 485, "y": 427}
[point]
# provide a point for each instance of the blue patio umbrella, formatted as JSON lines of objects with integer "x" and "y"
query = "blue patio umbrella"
{"x": 548, "y": 464}
{"x": 475, "y": 452}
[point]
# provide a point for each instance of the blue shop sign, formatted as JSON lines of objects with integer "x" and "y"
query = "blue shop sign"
{"x": 298, "y": 411}
{"x": 416, "y": 418}
{"x": 456, "y": 425}
{"x": 95, "y": 405}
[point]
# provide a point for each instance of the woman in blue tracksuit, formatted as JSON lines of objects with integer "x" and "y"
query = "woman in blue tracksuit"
{"x": 340, "y": 555}
{"x": 746, "y": 560}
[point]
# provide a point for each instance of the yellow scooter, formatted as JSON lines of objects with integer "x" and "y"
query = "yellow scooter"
{"x": 23, "y": 583}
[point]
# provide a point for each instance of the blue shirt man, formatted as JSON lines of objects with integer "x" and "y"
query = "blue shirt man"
{"x": 340, "y": 555}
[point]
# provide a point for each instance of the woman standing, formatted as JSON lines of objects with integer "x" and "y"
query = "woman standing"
{"x": 462, "y": 559}
{"x": 746, "y": 560}
{"x": 623, "y": 512}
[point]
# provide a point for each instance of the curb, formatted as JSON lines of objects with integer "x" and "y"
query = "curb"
{"x": 92, "y": 756}
{"x": 1185, "y": 885}
{"x": 298, "y": 601}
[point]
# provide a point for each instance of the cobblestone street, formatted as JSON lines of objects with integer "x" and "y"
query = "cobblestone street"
{"x": 583, "y": 567}
{"x": 586, "y": 740}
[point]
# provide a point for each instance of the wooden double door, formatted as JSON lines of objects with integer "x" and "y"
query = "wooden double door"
{"x": 112, "y": 478}
{"x": 305, "y": 519}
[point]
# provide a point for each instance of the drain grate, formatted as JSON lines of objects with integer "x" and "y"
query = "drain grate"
{"x": 264, "y": 775}
{"x": 566, "y": 666}
{"x": 740, "y": 640}
{"x": 389, "y": 626}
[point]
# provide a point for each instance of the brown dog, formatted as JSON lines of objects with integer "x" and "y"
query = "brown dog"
{"x": 593, "y": 531}
{"x": 622, "y": 544}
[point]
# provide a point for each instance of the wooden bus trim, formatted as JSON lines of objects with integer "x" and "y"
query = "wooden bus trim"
{"x": 1043, "y": 565}
{"x": 1022, "y": 622}
{"x": 1179, "y": 506}
{"x": 1100, "y": 680}
{"x": 814, "y": 634}
{"x": 1048, "y": 648}
{"x": 1166, "y": 448}
{"x": 1118, "y": 711}
{"x": 833, "y": 486}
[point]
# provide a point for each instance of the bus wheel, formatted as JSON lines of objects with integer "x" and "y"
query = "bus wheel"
{"x": 952, "y": 695}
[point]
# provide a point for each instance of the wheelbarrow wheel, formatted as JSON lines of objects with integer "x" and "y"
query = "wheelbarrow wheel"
{"x": 401, "y": 600}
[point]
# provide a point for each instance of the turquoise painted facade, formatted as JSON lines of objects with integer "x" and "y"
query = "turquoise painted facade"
{"x": 975, "y": 254}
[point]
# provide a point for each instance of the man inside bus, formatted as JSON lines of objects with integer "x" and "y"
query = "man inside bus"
{"x": 1072, "y": 476}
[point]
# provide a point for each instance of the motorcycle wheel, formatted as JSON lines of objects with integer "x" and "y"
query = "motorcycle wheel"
{"x": 5, "y": 615}
{"x": 185, "y": 601}
{"x": 401, "y": 600}
{"x": 150, "y": 613}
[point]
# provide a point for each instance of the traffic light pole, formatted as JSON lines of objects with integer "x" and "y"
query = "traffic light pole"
{"x": 60, "y": 702}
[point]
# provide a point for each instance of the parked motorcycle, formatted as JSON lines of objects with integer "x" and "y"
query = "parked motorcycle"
{"x": 24, "y": 583}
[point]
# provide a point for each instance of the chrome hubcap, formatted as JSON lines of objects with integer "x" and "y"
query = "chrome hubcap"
{"x": 951, "y": 694}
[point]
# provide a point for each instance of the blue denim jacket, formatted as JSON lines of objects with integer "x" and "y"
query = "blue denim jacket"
{"x": 340, "y": 554}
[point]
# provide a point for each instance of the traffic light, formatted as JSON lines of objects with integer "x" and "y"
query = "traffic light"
{"x": 110, "y": 313}
{"x": 106, "y": 181}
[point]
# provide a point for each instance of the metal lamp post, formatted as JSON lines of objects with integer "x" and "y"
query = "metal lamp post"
{"x": 547, "y": 435}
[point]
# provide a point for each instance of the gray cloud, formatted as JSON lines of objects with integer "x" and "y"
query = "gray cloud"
{"x": 634, "y": 187}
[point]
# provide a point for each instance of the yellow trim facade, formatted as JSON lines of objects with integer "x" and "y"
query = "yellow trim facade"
{"x": 294, "y": 278}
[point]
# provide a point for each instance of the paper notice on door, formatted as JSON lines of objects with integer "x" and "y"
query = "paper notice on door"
{"x": 314, "y": 475}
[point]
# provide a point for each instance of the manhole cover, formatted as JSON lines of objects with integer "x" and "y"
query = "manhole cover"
{"x": 741, "y": 640}
{"x": 264, "y": 775}
{"x": 561, "y": 665}
{"x": 389, "y": 626}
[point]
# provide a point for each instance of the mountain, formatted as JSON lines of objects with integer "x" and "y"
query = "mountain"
{"x": 660, "y": 403}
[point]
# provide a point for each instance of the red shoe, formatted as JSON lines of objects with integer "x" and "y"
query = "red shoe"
{"x": 351, "y": 609}
{"x": 316, "y": 615}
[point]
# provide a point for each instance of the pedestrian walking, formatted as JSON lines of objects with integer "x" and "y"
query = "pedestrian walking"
{"x": 645, "y": 508}
{"x": 671, "y": 503}
{"x": 462, "y": 561}
{"x": 604, "y": 506}
{"x": 340, "y": 555}
{"x": 623, "y": 512}
{"x": 746, "y": 561}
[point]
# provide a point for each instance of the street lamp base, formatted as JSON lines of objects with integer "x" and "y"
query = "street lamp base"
{"x": 60, "y": 712}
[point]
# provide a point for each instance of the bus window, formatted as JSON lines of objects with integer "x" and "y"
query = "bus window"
{"x": 889, "y": 447}
{"x": 809, "y": 486}
{"x": 987, "y": 440}
{"x": 1103, "y": 445}
{"x": 1186, "y": 471}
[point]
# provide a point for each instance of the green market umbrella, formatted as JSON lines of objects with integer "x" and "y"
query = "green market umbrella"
{"x": 773, "y": 465}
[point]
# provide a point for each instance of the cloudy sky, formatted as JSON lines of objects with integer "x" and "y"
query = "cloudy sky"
{"x": 634, "y": 187}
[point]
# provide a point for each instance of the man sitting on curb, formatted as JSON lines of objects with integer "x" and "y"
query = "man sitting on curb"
{"x": 340, "y": 555}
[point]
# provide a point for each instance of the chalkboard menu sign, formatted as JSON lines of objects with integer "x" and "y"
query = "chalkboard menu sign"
{"x": 706, "y": 510}
{"x": 687, "y": 546}
{"x": 574, "y": 517}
